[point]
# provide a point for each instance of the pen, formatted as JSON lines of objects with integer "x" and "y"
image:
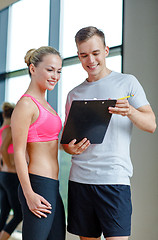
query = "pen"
{"x": 126, "y": 97}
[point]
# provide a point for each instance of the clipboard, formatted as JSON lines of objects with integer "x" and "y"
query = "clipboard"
{"x": 87, "y": 118}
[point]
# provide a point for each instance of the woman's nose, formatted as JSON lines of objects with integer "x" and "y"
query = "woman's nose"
{"x": 54, "y": 75}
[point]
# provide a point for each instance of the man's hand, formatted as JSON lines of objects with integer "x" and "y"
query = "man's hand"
{"x": 77, "y": 148}
{"x": 122, "y": 107}
{"x": 142, "y": 117}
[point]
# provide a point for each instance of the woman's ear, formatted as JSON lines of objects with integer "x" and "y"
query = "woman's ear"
{"x": 32, "y": 68}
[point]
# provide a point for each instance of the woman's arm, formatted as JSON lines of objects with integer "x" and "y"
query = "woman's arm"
{"x": 20, "y": 121}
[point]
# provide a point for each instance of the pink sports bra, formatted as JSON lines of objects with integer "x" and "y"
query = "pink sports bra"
{"x": 10, "y": 148}
{"x": 46, "y": 127}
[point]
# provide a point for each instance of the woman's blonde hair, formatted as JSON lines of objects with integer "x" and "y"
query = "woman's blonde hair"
{"x": 35, "y": 56}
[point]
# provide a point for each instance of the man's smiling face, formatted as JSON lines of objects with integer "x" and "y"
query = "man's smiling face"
{"x": 92, "y": 54}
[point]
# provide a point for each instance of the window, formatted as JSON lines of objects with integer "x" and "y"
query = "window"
{"x": 104, "y": 14}
{"x": 13, "y": 93}
{"x": 72, "y": 76}
{"x": 28, "y": 28}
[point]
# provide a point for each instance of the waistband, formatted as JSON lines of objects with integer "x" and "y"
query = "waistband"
{"x": 34, "y": 177}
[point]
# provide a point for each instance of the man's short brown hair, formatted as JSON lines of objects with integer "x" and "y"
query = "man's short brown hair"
{"x": 86, "y": 33}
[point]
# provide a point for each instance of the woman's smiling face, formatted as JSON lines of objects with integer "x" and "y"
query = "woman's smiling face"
{"x": 47, "y": 73}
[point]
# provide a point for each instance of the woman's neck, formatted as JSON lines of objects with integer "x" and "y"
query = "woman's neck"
{"x": 35, "y": 92}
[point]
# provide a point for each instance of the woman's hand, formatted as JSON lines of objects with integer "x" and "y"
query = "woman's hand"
{"x": 38, "y": 205}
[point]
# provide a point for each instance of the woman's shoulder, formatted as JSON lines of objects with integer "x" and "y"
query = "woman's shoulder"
{"x": 24, "y": 109}
{"x": 25, "y": 103}
{"x": 7, "y": 131}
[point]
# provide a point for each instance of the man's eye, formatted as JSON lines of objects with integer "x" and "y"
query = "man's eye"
{"x": 49, "y": 70}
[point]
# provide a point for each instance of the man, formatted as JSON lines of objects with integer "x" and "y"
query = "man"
{"x": 99, "y": 184}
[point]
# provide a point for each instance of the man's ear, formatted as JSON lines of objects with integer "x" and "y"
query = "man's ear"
{"x": 106, "y": 51}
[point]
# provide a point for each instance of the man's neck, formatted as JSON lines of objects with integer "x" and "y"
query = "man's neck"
{"x": 93, "y": 78}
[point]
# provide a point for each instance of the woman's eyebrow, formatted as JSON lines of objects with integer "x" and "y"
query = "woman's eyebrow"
{"x": 53, "y": 67}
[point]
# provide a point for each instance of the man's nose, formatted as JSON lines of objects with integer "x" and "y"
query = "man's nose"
{"x": 91, "y": 58}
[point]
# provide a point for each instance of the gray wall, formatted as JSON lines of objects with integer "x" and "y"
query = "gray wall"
{"x": 141, "y": 59}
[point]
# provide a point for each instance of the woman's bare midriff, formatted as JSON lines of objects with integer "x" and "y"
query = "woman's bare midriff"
{"x": 10, "y": 169}
{"x": 43, "y": 158}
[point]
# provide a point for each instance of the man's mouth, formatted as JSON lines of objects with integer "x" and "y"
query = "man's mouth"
{"x": 92, "y": 67}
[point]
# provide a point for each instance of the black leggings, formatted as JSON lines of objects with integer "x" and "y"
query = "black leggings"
{"x": 9, "y": 200}
{"x": 52, "y": 227}
{"x": 4, "y": 208}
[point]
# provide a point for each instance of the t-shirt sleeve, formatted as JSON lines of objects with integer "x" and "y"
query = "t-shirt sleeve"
{"x": 139, "y": 99}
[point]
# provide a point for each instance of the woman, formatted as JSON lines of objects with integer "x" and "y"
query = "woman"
{"x": 35, "y": 128}
{"x": 8, "y": 178}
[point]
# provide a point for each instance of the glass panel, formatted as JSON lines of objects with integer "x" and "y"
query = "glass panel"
{"x": 16, "y": 87}
{"x": 114, "y": 63}
{"x": 104, "y": 14}
{"x": 71, "y": 76}
{"x": 28, "y": 28}
{"x": 65, "y": 163}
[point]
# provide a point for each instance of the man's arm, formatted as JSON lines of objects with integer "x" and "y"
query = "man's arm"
{"x": 143, "y": 117}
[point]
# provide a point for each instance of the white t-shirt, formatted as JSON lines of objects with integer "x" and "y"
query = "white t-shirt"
{"x": 108, "y": 162}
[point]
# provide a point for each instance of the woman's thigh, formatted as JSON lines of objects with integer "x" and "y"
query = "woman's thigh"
{"x": 35, "y": 228}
